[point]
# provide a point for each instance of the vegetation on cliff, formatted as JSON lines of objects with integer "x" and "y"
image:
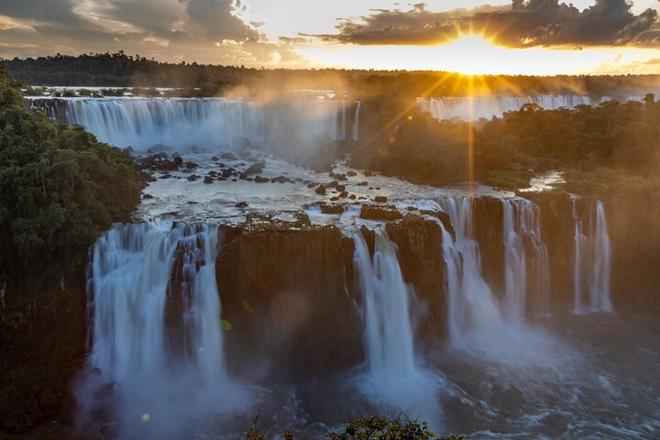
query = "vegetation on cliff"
{"x": 59, "y": 188}
{"x": 621, "y": 139}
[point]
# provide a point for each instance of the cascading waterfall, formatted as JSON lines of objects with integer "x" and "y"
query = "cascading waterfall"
{"x": 591, "y": 262}
{"x": 473, "y": 310}
{"x": 477, "y": 107}
{"x": 157, "y": 337}
{"x": 356, "y": 122}
{"x": 477, "y": 321}
{"x": 393, "y": 374}
{"x": 211, "y": 123}
{"x": 600, "y": 278}
{"x": 526, "y": 264}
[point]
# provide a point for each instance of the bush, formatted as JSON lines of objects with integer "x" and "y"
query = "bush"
{"x": 59, "y": 189}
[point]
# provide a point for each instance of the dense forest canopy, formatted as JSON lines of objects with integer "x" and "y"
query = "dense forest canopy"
{"x": 122, "y": 70}
{"x": 619, "y": 139}
{"x": 59, "y": 189}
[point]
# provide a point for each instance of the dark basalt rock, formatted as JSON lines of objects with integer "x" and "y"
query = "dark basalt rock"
{"x": 419, "y": 243}
{"x": 320, "y": 190}
{"x": 228, "y": 156}
{"x": 380, "y": 199}
{"x": 242, "y": 205}
{"x": 365, "y": 183}
{"x": 255, "y": 168}
{"x": 284, "y": 310}
{"x": 384, "y": 213}
{"x": 193, "y": 177}
{"x": 331, "y": 209}
{"x": 208, "y": 180}
{"x": 281, "y": 179}
{"x": 259, "y": 179}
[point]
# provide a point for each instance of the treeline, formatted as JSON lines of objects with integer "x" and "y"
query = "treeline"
{"x": 59, "y": 189}
{"x": 122, "y": 70}
{"x": 622, "y": 137}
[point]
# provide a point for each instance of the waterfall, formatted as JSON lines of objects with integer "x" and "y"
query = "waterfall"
{"x": 580, "y": 244}
{"x": 388, "y": 330}
{"x": 526, "y": 263}
{"x": 600, "y": 277}
{"x": 477, "y": 321}
{"x": 473, "y": 310}
{"x": 591, "y": 262}
{"x": 477, "y": 107}
{"x": 210, "y": 123}
{"x": 155, "y": 313}
{"x": 356, "y": 122}
{"x": 393, "y": 374}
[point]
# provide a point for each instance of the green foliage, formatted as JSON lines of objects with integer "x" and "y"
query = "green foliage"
{"x": 369, "y": 428}
{"x": 507, "y": 151}
{"x": 381, "y": 428}
{"x": 59, "y": 189}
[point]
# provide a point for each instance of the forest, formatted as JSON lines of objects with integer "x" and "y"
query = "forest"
{"x": 623, "y": 138}
{"x": 122, "y": 70}
{"x": 59, "y": 189}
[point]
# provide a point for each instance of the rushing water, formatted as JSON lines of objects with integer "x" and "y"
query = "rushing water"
{"x": 393, "y": 374}
{"x": 157, "y": 338}
{"x": 158, "y": 366}
{"x": 477, "y": 107}
{"x": 208, "y": 123}
{"x": 591, "y": 261}
{"x": 478, "y": 321}
{"x": 526, "y": 268}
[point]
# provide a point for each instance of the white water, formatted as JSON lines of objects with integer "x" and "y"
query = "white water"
{"x": 526, "y": 264}
{"x": 160, "y": 387}
{"x": 209, "y": 123}
{"x": 591, "y": 262}
{"x": 477, "y": 107}
{"x": 393, "y": 374}
{"x": 478, "y": 322}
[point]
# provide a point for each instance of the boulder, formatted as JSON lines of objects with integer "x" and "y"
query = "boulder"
{"x": 383, "y": 213}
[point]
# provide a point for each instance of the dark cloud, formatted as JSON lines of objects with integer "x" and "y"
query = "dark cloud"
{"x": 45, "y": 11}
{"x": 217, "y": 19}
{"x": 523, "y": 24}
{"x": 201, "y": 30}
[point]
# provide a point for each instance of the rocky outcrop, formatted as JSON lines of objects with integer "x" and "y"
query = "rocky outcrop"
{"x": 488, "y": 230}
{"x": 287, "y": 292}
{"x": 419, "y": 244}
{"x": 42, "y": 347}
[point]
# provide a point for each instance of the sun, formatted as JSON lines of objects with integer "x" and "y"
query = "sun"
{"x": 472, "y": 55}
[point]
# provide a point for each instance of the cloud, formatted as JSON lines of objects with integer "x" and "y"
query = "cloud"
{"x": 164, "y": 29}
{"x": 522, "y": 24}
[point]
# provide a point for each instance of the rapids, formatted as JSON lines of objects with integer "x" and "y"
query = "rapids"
{"x": 508, "y": 366}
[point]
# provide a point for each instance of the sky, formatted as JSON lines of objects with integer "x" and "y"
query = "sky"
{"x": 539, "y": 37}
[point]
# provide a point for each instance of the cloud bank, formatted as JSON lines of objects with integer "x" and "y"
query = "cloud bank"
{"x": 523, "y": 24}
{"x": 202, "y": 30}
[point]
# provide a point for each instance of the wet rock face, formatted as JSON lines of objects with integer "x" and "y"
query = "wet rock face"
{"x": 419, "y": 244}
{"x": 288, "y": 294}
{"x": 558, "y": 230}
{"x": 488, "y": 230}
{"x": 634, "y": 226}
{"x": 42, "y": 347}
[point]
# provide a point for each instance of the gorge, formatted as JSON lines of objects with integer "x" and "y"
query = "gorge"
{"x": 246, "y": 284}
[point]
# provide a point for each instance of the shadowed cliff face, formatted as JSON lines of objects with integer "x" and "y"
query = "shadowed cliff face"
{"x": 419, "y": 245}
{"x": 42, "y": 344}
{"x": 289, "y": 298}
